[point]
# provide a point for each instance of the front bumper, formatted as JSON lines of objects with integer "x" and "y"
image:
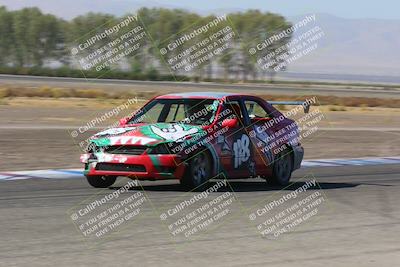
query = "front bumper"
{"x": 142, "y": 167}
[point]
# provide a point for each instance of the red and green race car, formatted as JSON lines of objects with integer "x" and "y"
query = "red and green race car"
{"x": 197, "y": 136}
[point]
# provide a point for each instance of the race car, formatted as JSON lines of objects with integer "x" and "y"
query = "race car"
{"x": 194, "y": 137}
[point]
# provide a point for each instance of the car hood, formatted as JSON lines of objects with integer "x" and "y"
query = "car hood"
{"x": 148, "y": 134}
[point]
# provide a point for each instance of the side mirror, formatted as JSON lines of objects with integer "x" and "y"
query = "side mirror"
{"x": 230, "y": 123}
{"x": 123, "y": 121}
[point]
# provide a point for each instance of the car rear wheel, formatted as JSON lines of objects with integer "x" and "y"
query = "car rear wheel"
{"x": 101, "y": 181}
{"x": 282, "y": 168}
{"x": 198, "y": 171}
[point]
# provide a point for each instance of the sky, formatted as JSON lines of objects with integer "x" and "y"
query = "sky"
{"x": 383, "y": 9}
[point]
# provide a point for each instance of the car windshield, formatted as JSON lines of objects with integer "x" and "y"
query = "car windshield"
{"x": 187, "y": 111}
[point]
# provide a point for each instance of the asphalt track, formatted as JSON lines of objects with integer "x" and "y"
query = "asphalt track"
{"x": 358, "y": 225}
{"x": 166, "y": 86}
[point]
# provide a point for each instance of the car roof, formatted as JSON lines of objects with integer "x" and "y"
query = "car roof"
{"x": 209, "y": 95}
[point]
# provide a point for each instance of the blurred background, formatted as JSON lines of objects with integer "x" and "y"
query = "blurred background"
{"x": 360, "y": 44}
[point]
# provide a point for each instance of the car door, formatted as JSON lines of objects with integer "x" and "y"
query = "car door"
{"x": 261, "y": 128}
{"x": 235, "y": 147}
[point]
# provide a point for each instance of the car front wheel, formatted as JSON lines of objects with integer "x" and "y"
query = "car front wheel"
{"x": 198, "y": 171}
{"x": 101, "y": 181}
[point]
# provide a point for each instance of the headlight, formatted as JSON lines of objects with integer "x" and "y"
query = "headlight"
{"x": 161, "y": 149}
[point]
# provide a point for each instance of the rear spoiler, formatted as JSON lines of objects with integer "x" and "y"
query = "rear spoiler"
{"x": 306, "y": 105}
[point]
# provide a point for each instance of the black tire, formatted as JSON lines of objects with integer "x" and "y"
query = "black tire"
{"x": 101, "y": 181}
{"x": 282, "y": 168}
{"x": 198, "y": 172}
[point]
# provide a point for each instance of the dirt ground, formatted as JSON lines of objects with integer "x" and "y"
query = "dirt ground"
{"x": 36, "y": 133}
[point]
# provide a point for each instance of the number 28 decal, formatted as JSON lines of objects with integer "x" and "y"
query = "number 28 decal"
{"x": 241, "y": 149}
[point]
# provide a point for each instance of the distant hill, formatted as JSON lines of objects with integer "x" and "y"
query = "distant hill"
{"x": 353, "y": 46}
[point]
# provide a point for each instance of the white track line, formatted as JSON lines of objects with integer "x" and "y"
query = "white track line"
{"x": 77, "y": 173}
